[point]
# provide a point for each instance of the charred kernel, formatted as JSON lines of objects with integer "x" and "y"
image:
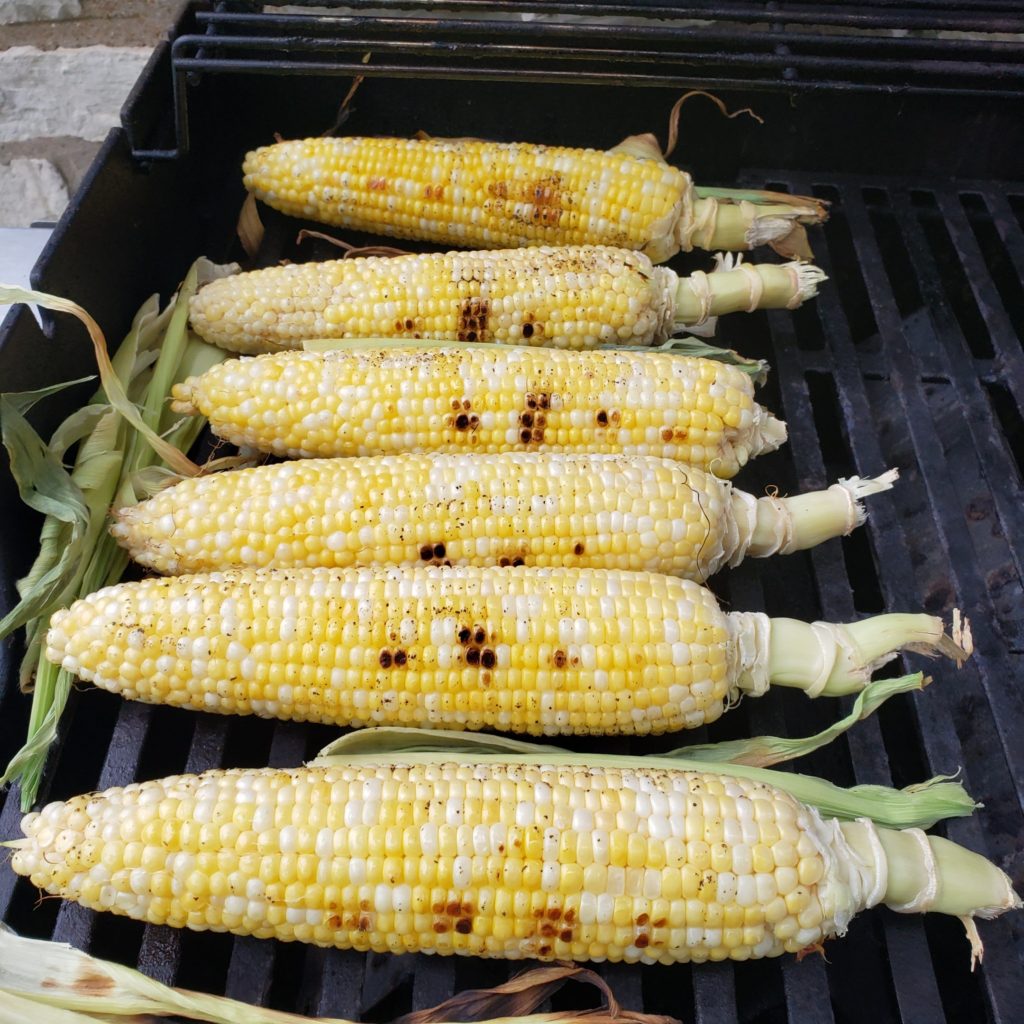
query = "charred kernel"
{"x": 488, "y": 658}
{"x": 473, "y": 656}
{"x": 461, "y": 421}
{"x": 439, "y": 551}
{"x": 579, "y": 547}
{"x": 527, "y": 330}
{"x": 464, "y": 634}
{"x": 558, "y": 659}
{"x": 525, "y": 435}
{"x": 602, "y": 418}
{"x": 401, "y": 658}
{"x": 426, "y": 552}
{"x": 480, "y": 635}
{"x": 641, "y": 941}
{"x": 463, "y": 926}
{"x": 666, "y": 434}
{"x": 385, "y": 659}
{"x": 526, "y": 419}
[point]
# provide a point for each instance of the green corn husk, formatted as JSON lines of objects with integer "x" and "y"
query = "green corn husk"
{"x": 53, "y": 983}
{"x": 128, "y": 442}
{"x": 918, "y": 806}
{"x": 757, "y": 369}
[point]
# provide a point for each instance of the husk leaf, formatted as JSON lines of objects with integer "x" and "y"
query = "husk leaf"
{"x": 53, "y": 983}
{"x": 918, "y": 806}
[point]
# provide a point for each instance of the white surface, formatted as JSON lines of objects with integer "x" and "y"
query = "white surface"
{"x": 30, "y": 190}
{"x": 75, "y": 92}
{"x": 12, "y": 11}
{"x": 19, "y": 250}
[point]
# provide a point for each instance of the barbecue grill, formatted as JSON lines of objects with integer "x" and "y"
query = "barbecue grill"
{"x": 911, "y": 357}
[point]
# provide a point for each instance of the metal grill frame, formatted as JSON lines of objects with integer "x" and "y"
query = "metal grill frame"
{"x": 911, "y": 356}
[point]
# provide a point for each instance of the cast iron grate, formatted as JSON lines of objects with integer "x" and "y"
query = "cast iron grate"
{"x": 911, "y": 357}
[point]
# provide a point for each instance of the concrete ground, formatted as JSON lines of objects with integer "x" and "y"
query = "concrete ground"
{"x": 66, "y": 66}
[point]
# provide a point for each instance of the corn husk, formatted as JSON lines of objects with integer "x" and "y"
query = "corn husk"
{"x": 54, "y": 983}
{"x": 127, "y": 441}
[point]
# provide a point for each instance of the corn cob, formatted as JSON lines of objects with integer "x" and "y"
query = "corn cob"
{"x": 379, "y": 401}
{"x": 563, "y": 860}
{"x": 520, "y": 508}
{"x": 542, "y": 651}
{"x": 578, "y": 297}
{"x": 493, "y": 195}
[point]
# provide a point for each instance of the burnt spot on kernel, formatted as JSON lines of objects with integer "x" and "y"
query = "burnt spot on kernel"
{"x": 462, "y": 422}
{"x": 440, "y": 927}
{"x": 642, "y": 941}
{"x": 464, "y": 634}
{"x": 565, "y": 935}
{"x": 602, "y": 418}
{"x": 488, "y": 658}
{"x": 464, "y": 926}
{"x": 642, "y": 919}
{"x": 579, "y": 547}
{"x": 385, "y": 659}
{"x": 570, "y": 916}
{"x": 558, "y": 659}
{"x": 473, "y": 319}
{"x": 527, "y": 330}
{"x": 473, "y": 656}
{"x": 400, "y": 658}
{"x": 666, "y": 434}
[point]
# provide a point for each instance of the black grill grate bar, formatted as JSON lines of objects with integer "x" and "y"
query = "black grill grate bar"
{"x": 906, "y": 16}
{"x": 935, "y": 709}
{"x": 714, "y": 994}
{"x": 906, "y": 962}
{"x": 1004, "y": 340}
{"x": 1007, "y": 226}
{"x": 1002, "y": 479}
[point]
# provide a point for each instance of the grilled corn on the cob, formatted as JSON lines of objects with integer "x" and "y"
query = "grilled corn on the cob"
{"x": 493, "y": 195}
{"x": 378, "y": 401}
{"x": 578, "y": 297}
{"x": 542, "y": 651}
{"x": 495, "y": 858}
{"x": 599, "y": 511}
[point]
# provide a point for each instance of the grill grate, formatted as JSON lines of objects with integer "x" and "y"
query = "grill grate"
{"x": 911, "y": 356}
